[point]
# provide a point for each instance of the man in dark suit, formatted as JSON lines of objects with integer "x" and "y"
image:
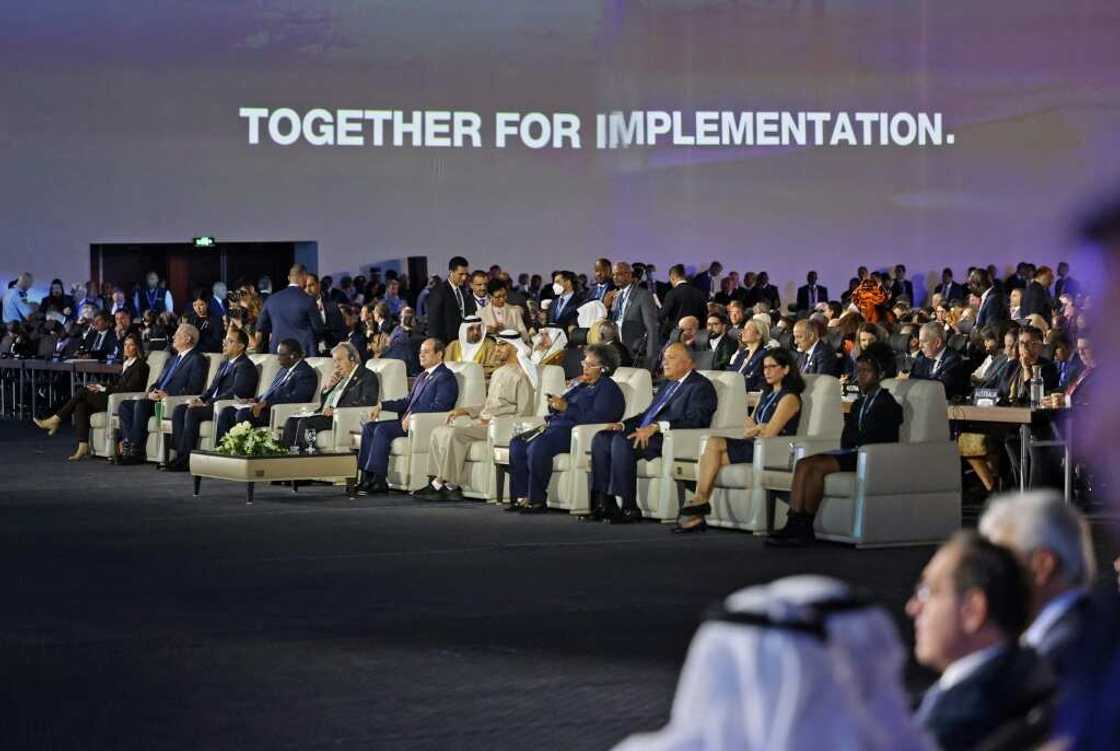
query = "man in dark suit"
{"x": 1051, "y": 538}
{"x": 633, "y": 311}
{"x": 447, "y": 303}
{"x": 183, "y": 374}
{"x": 349, "y": 385}
{"x": 334, "y": 325}
{"x": 686, "y": 400}
{"x": 811, "y": 293}
{"x": 564, "y": 309}
{"x": 236, "y": 379}
{"x": 948, "y": 289}
{"x": 218, "y": 303}
{"x": 900, "y": 285}
{"x": 1065, "y": 284}
{"x": 815, "y": 355}
{"x": 993, "y": 305}
{"x": 434, "y": 390}
{"x": 703, "y": 280}
{"x": 1036, "y": 297}
{"x": 767, "y": 292}
{"x": 294, "y": 384}
{"x": 100, "y": 341}
{"x": 681, "y": 301}
{"x": 1020, "y": 279}
{"x": 722, "y": 345}
{"x": 968, "y": 610}
{"x": 939, "y": 363}
{"x": 290, "y": 314}
{"x": 602, "y": 284}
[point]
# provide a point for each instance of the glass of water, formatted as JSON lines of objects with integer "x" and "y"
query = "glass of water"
{"x": 311, "y": 435}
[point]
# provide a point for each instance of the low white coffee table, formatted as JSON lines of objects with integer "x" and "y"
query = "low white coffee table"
{"x": 254, "y": 469}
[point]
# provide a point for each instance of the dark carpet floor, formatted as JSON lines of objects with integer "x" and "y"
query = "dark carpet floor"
{"x": 136, "y": 617}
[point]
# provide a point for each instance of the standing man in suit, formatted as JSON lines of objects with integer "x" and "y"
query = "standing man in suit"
{"x": 767, "y": 292}
{"x": 447, "y": 302}
{"x": 218, "y": 304}
{"x": 939, "y": 363}
{"x": 901, "y": 286}
{"x": 290, "y": 314}
{"x": 565, "y": 302}
{"x": 1036, "y": 297}
{"x": 815, "y": 355}
{"x": 1053, "y": 543}
{"x": 603, "y": 283}
{"x": 969, "y": 609}
{"x": 704, "y": 280}
{"x": 811, "y": 293}
{"x": 334, "y": 325}
{"x": 434, "y": 390}
{"x": 686, "y": 400}
{"x": 236, "y": 379}
{"x": 949, "y": 290}
{"x": 720, "y": 342}
{"x": 183, "y": 374}
{"x": 993, "y": 306}
{"x": 1065, "y": 284}
{"x": 152, "y": 296}
{"x": 681, "y": 301}
{"x": 294, "y": 384}
{"x": 632, "y": 309}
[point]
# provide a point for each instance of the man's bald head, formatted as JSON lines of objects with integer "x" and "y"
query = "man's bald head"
{"x": 622, "y": 274}
{"x": 296, "y": 274}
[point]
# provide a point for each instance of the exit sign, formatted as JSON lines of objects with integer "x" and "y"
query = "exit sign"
{"x": 205, "y": 241}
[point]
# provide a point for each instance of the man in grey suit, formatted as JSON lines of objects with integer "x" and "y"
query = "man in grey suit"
{"x": 1052, "y": 541}
{"x": 291, "y": 313}
{"x": 632, "y": 308}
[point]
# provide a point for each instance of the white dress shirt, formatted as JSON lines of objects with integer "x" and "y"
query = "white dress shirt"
{"x": 1048, "y": 616}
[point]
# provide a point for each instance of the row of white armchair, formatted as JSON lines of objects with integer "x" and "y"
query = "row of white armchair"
{"x": 904, "y": 493}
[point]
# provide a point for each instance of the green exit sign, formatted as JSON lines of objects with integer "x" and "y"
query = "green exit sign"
{"x": 205, "y": 241}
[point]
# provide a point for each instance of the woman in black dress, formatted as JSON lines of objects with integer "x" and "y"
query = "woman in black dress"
{"x": 778, "y": 413}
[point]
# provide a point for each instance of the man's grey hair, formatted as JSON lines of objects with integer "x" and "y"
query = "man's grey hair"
{"x": 350, "y": 350}
{"x": 933, "y": 329}
{"x": 1041, "y": 520}
{"x": 190, "y": 331}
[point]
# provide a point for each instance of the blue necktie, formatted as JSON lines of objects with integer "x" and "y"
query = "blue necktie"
{"x": 170, "y": 372}
{"x": 662, "y": 399}
{"x": 417, "y": 389}
{"x": 277, "y": 382}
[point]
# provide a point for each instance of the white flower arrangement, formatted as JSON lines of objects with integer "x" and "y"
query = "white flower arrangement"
{"x": 245, "y": 440}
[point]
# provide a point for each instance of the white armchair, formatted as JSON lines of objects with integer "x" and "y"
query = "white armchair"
{"x": 154, "y": 446}
{"x": 739, "y": 499}
{"x": 905, "y": 493}
{"x": 103, "y": 425}
{"x": 268, "y": 366}
{"x": 571, "y": 475}
{"x": 279, "y": 413}
{"x": 408, "y": 456}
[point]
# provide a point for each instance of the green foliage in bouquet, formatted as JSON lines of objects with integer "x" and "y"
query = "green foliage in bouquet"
{"x": 245, "y": 440}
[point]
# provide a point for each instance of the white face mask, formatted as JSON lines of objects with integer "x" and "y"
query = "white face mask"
{"x": 557, "y": 288}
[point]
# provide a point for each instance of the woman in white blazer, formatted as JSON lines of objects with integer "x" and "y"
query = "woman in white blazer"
{"x": 498, "y": 314}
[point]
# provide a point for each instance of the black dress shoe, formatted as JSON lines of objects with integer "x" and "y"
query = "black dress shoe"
{"x": 513, "y": 507}
{"x": 428, "y": 492}
{"x": 178, "y": 466}
{"x": 534, "y": 508}
{"x": 447, "y": 494}
{"x": 626, "y": 516}
{"x": 679, "y": 530}
{"x": 373, "y": 486}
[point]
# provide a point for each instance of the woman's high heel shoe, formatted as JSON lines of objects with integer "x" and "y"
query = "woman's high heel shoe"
{"x": 697, "y": 509}
{"x": 51, "y": 424}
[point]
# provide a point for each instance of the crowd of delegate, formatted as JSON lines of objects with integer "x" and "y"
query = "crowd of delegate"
{"x": 999, "y": 613}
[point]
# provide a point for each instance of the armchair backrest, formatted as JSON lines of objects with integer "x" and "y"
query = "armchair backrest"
{"x": 731, "y": 404}
{"x": 392, "y": 377}
{"x": 323, "y": 366}
{"x": 925, "y": 412}
{"x": 821, "y": 414}
{"x": 267, "y": 368}
{"x": 215, "y": 362}
{"x": 156, "y": 361}
{"x": 637, "y": 387}
{"x": 552, "y": 382}
{"x": 472, "y": 383}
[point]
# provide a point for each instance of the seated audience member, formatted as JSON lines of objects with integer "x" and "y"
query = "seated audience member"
{"x": 778, "y": 414}
{"x": 185, "y": 373}
{"x": 209, "y": 329}
{"x": 434, "y": 390}
{"x": 722, "y": 345}
{"x": 509, "y": 394}
{"x": 817, "y": 357}
{"x": 871, "y": 299}
{"x": 1054, "y": 546}
{"x": 1015, "y": 307}
{"x": 875, "y": 417}
{"x": 1015, "y": 379}
{"x": 1076, "y": 392}
{"x": 592, "y": 398}
{"x": 473, "y": 346}
{"x": 236, "y": 379}
{"x": 753, "y": 338}
{"x": 685, "y": 400}
{"x": 1066, "y": 361}
{"x": 95, "y": 397}
{"x": 294, "y": 384}
{"x": 736, "y": 317}
{"x": 349, "y": 385}
{"x": 994, "y": 357}
{"x": 100, "y": 341}
{"x": 548, "y": 347}
{"x": 800, "y": 664}
{"x": 607, "y": 335}
{"x": 969, "y": 609}
{"x": 865, "y": 335}
{"x": 937, "y": 362}
{"x": 500, "y": 314}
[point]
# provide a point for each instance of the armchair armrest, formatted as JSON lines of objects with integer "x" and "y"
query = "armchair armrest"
{"x": 420, "y": 427}
{"x": 502, "y": 429}
{"x": 806, "y": 446}
{"x": 279, "y": 413}
{"x": 776, "y": 452}
{"x": 116, "y": 399}
{"x": 345, "y": 420}
{"x": 687, "y": 443}
{"x": 169, "y": 405}
{"x": 899, "y": 468}
{"x": 223, "y": 403}
{"x": 582, "y": 436}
